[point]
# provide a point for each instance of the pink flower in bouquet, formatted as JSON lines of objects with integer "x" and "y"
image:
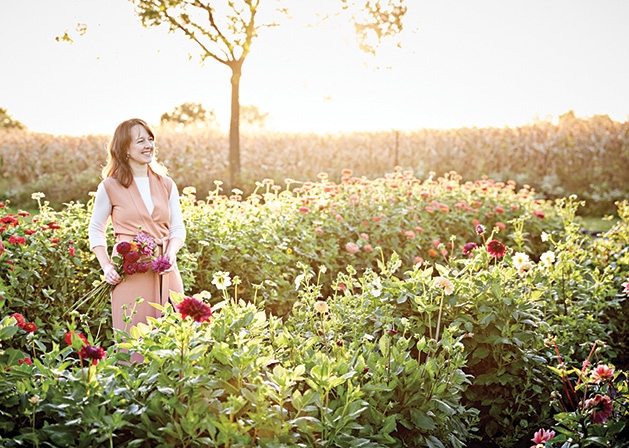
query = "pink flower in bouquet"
{"x": 160, "y": 265}
{"x": 196, "y": 309}
{"x": 145, "y": 243}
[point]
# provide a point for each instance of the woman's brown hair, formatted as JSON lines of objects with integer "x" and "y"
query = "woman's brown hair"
{"x": 117, "y": 161}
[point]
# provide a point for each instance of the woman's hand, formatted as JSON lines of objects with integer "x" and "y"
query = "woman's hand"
{"x": 111, "y": 275}
{"x": 172, "y": 259}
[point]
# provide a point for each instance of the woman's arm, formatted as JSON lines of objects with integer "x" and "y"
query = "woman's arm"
{"x": 177, "y": 228}
{"x": 97, "y": 236}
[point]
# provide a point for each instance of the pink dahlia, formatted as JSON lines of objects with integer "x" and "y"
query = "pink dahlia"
{"x": 160, "y": 265}
{"x": 601, "y": 373}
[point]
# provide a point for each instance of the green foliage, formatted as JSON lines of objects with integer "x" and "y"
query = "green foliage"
{"x": 328, "y": 329}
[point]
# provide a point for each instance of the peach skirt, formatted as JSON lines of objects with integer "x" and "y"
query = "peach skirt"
{"x": 147, "y": 286}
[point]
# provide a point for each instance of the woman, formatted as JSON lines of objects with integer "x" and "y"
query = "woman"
{"x": 137, "y": 198}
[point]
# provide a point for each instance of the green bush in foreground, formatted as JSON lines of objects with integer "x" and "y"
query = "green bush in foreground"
{"x": 315, "y": 340}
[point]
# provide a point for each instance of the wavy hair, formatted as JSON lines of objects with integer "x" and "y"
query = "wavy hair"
{"x": 117, "y": 161}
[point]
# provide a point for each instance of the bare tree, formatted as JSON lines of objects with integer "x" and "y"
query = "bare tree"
{"x": 225, "y": 31}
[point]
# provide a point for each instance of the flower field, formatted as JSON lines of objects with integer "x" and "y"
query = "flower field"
{"x": 386, "y": 312}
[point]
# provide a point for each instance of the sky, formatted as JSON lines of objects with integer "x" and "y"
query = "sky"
{"x": 459, "y": 63}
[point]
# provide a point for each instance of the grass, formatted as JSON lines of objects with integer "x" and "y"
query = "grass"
{"x": 597, "y": 223}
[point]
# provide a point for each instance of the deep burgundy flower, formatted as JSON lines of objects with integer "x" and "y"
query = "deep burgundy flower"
{"x": 20, "y": 319}
{"x": 131, "y": 257}
{"x": 160, "y": 264}
{"x": 123, "y": 247}
{"x": 92, "y": 352}
{"x": 142, "y": 267}
{"x": 195, "y": 308}
{"x": 69, "y": 334}
{"x": 30, "y": 327}
{"x": 496, "y": 249}
{"x": 130, "y": 268}
{"x": 602, "y": 408}
{"x": 468, "y": 248}
{"x": 480, "y": 229}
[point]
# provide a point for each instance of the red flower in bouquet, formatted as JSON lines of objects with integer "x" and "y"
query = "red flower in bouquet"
{"x": 194, "y": 308}
{"x": 133, "y": 257}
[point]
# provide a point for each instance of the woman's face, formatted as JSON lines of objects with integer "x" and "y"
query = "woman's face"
{"x": 142, "y": 148}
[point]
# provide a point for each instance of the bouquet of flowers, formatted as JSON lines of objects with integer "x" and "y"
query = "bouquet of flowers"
{"x": 133, "y": 257}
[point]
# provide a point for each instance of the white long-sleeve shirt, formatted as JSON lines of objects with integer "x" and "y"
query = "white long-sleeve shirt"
{"x": 102, "y": 210}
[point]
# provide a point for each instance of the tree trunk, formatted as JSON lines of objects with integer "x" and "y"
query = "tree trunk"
{"x": 234, "y": 126}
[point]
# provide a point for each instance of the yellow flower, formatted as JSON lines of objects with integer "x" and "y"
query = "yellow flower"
{"x": 321, "y": 306}
{"x": 445, "y": 284}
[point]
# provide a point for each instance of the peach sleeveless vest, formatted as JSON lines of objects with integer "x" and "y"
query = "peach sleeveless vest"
{"x": 129, "y": 214}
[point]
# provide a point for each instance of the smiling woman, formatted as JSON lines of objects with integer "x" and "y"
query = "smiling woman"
{"x": 142, "y": 205}
{"x": 458, "y": 64}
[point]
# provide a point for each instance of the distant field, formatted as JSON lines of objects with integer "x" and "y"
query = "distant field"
{"x": 587, "y": 157}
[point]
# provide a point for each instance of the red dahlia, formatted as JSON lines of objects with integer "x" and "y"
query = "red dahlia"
{"x": 496, "y": 249}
